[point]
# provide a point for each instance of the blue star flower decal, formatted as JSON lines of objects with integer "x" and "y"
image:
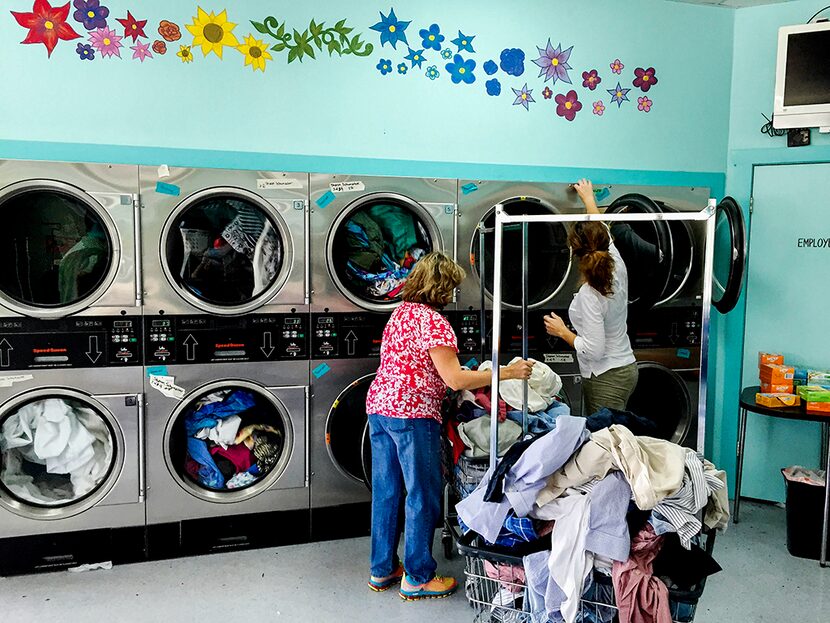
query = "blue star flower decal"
{"x": 524, "y": 97}
{"x": 464, "y": 42}
{"x": 416, "y": 57}
{"x": 619, "y": 95}
{"x": 391, "y": 29}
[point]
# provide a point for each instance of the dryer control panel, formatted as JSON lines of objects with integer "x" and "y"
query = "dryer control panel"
{"x": 214, "y": 339}
{"x": 75, "y": 342}
{"x": 677, "y": 327}
{"x": 347, "y": 336}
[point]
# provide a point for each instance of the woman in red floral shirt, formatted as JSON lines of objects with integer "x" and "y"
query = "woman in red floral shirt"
{"x": 418, "y": 361}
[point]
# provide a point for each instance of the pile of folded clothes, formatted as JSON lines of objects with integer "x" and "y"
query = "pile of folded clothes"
{"x": 382, "y": 244}
{"x": 595, "y": 497}
{"x": 231, "y": 441}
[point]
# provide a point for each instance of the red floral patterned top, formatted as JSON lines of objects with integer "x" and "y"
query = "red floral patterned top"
{"x": 407, "y": 384}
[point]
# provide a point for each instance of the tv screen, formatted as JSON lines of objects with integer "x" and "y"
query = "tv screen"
{"x": 807, "y": 79}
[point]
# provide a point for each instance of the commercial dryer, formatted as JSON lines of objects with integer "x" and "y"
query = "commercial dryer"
{"x": 71, "y": 425}
{"x": 223, "y": 242}
{"x": 69, "y": 240}
{"x": 367, "y": 232}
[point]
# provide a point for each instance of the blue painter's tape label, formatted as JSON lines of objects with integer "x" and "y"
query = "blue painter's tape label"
{"x": 322, "y": 370}
{"x": 601, "y": 193}
{"x": 472, "y": 363}
{"x": 168, "y": 189}
{"x": 684, "y": 353}
{"x": 469, "y": 188}
{"x": 157, "y": 371}
{"x": 326, "y": 199}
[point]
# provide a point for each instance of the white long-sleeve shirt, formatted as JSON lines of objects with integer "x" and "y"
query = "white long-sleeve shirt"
{"x": 602, "y": 342}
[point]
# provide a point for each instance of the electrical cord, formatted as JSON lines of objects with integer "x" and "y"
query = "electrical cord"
{"x": 817, "y": 13}
{"x": 769, "y": 130}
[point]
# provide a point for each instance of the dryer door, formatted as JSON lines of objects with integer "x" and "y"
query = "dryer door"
{"x": 226, "y": 250}
{"x": 730, "y": 255}
{"x": 548, "y": 253}
{"x": 374, "y": 243}
{"x": 346, "y": 427}
{"x": 663, "y": 396}
{"x": 62, "y": 451}
{"x": 59, "y": 249}
{"x": 231, "y": 440}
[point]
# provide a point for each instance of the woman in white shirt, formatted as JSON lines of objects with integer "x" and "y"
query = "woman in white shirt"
{"x": 599, "y": 313}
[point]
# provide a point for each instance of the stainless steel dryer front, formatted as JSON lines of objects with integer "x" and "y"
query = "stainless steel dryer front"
{"x": 69, "y": 240}
{"x": 407, "y": 217}
{"x": 223, "y": 242}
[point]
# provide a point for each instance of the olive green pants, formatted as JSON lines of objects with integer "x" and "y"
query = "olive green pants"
{"x": 610, "y": 389}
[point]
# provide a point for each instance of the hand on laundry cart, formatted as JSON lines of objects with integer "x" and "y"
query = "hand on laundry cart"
{"x": 585, "y": 189}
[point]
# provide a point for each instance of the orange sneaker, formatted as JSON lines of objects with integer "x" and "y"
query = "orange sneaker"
{"x": 384, "y": 584}
{"x": 436, "y": 588}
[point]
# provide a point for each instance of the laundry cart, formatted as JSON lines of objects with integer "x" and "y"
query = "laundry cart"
{"x": 514, "y": 579}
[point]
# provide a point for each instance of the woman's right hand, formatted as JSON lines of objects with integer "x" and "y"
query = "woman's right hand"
{"x": 520, "y": 370}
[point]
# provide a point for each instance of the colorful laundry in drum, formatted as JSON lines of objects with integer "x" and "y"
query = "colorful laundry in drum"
{"x": 234, "y": 439}
{"x": 382, "y": 244}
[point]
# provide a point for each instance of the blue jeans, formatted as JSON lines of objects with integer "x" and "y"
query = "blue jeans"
{"x": 405, "y": 457}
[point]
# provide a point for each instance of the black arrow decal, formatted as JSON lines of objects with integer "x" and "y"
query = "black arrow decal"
{"x": 94, "y": 353}
{"x": 351, "y": 340}
{"x": 267, "y": 347}
{"x": 190, "y": 345}
{"x": 5, "y": 349}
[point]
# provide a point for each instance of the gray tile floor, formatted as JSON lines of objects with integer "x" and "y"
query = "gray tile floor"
{"x": 325, "y": 582}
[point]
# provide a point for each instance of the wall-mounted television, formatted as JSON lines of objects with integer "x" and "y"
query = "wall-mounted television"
{"x": 802, "y": 82}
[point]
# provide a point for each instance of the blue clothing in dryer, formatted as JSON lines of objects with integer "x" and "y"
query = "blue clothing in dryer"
{"x": 209, "y": 474}
{"x": 208, "y": 415}
{"x": 605, "y": 418}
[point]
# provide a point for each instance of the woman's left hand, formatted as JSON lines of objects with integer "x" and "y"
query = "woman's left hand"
{"x": 554, "y": 325}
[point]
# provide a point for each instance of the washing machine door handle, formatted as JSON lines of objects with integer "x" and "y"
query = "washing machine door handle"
{"x": 725, "y": 297}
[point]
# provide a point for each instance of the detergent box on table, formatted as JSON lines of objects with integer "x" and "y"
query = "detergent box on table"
{"x": 814, "y": 393}
{"x": 777, "y": 401}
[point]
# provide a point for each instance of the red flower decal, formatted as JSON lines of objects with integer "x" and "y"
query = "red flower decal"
{"x": 568, "y": 105}
{"x": 46, "y": 24}
{"x": 591, "y": 79}
{"x": 645, "y": 78}
{"x": 132, "y": 27}
{"x": 547, "y": 93}
{"x": 159, "y": 47}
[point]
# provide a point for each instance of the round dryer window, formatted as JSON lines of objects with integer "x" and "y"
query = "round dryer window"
{"x": 663, "y": 397}
{"x": 374, "y": 244}
{"x": 683, "y": 253}
{"x": 225, "y": 250}
{"x": 59, "y": 454}
{"x": 549, "y": 257}
{"x": 229, "y": 441}
{"x": 58, "y": 249}
{"x": 345, "y": 427}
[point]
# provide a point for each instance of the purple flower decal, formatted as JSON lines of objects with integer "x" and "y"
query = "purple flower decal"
{"x": 547, "y": 93}
{"x": 645, "y": 78}
{"x": 591, "y": 79}
{"x": 141, "y": 51}
{"x": 617, "y": 67}
{"x": 568, "y": 105}
{"x": 554, "y": 63}
{"x": 644, "y": 104}
{"x": 91, "y": 14}
{"x": 85, "y": 52}
{"x": 524, "y": 97}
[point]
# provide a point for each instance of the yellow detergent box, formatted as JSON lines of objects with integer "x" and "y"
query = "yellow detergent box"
{"x": 776, "y": 374}
{"x": 819, "y": 407}
{"x": 777, "y": 401}
{"x": 770, "y": 358}
{"x": 814, "y": 393}
{"x": 784, "y": 388}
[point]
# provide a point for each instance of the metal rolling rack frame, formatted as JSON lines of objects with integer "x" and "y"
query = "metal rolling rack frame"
{"x": 481, "y": 589}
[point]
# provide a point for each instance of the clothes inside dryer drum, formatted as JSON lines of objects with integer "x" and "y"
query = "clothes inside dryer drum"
{"x": 375, "y": 249}
{"x": 228, "y": 439}
{"x": 345, "y": 427}
{"x": 224, "y": 250}
{"x": 55, "y": 452}
{"x": 548, "y": 258}
{"x": 662, "y": 396}
{"x": 54, "y": 249}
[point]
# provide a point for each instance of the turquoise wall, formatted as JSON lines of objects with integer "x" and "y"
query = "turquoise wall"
{"x": 753, "y": 84}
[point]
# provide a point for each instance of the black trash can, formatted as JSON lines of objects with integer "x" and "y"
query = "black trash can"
{"x": 805, "y": 517}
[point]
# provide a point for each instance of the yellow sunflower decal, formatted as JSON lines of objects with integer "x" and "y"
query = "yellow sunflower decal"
{"x": 185, "y": 54}
{"x": 213, "y": 32}
{"x": 256, "y": 53}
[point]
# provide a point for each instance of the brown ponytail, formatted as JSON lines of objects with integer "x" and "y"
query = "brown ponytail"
{"x": 589, "y": 243}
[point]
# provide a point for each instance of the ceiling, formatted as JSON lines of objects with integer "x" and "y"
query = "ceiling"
{"x": 735, "y": 4}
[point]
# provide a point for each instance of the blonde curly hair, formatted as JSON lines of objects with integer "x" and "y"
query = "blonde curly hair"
{"x": 433, "y": 280}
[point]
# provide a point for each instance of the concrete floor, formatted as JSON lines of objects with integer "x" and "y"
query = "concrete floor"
{"x": 325, "y": 582}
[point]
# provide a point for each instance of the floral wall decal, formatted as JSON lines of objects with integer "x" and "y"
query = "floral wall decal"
{"x": 416, "y": 57}
{"x": 255, "y": 52}
{"x": 644, "y": 104}
{"x": 493, "y": 87}
{"x": 212, "y": 32}
{"x": 512, "y": 61}
{"x": 46, "y": 25}
{"x": 599, "y": 108}
{"x": 547, "y": 93}
{"x": 391, "y": 29}
{"x": 384, "y": 66}
{"x": 132, "y": 27}
{"x": 141, "y": 51}
{"x": 432, "y": 72}
{"x": 464, "y": 43}
{"x": 524, "y": 97}
{"x": 169, "y": 31}
{"x": 107, "y": 42}
{"x": 159, "y": 47}
{"x": 85, "y": 51}
{"x": 446, "y": 54}
{"x": 490, "y": 67}
{"x": 185, "y": 53}
{"x": 336, "y": 40}
{"x": 554, "y": 63}
{"x": 461, "y": 70}
{"x": 644, "y": 79}
{"x": 431, "y": 38}
{"x": 568, "y": 105}
{"x": 617, "y": 67}
{"x": 591, "y": 79}
{"x": 619, "y": 95}
{"x": 90, "y": 13}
